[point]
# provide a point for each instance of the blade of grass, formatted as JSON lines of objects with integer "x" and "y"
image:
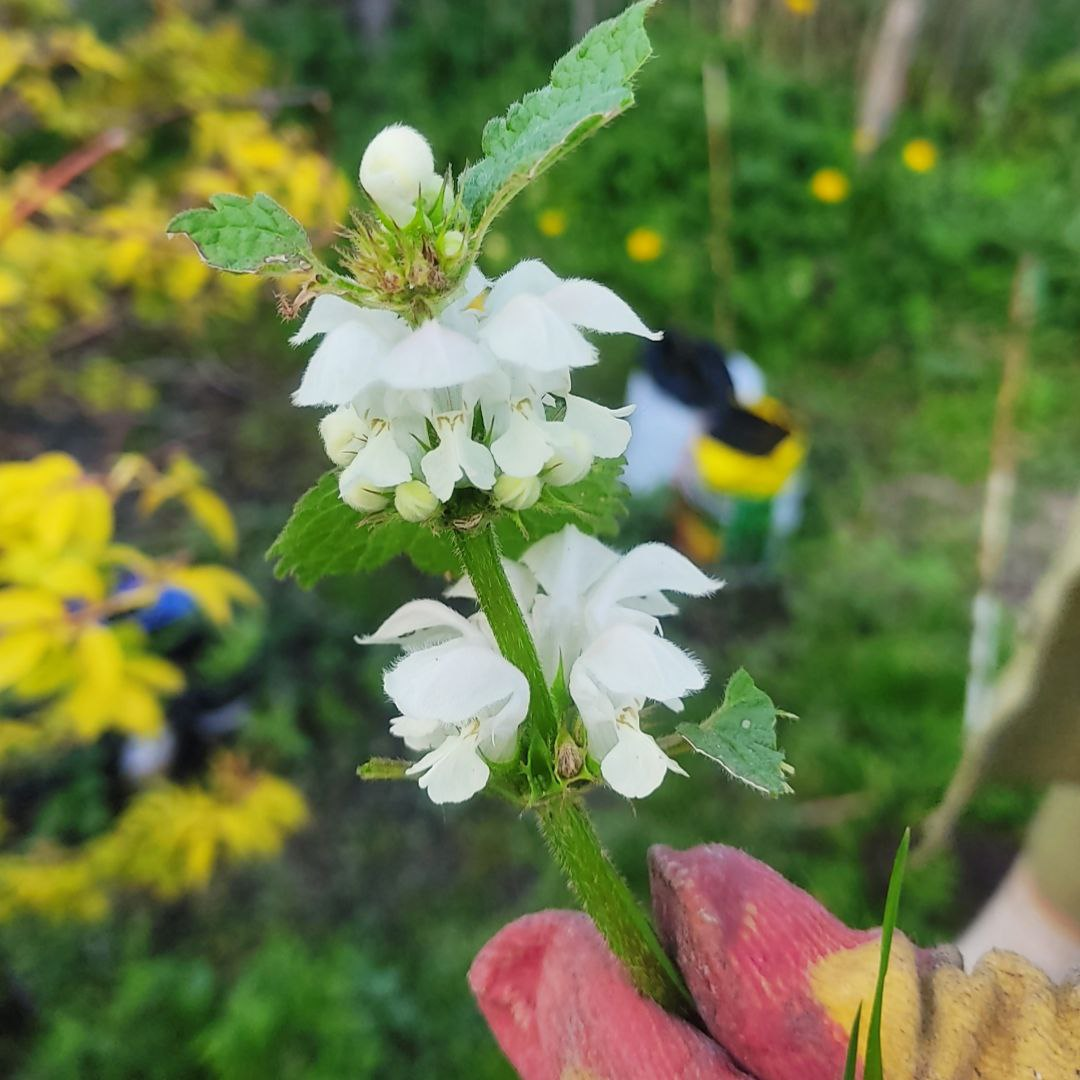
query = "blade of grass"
{"x": 852, "y": 1062}
{"x": 873, "y": 1068}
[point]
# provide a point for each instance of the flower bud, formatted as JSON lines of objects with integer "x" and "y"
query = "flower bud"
{"x": 517, "y": 492}
{"x": 571, "y": 462}
{"x": 341, "y": 431}
{"x": 415, "y": 501}
{"x": 363, "y": 498}
{"x": 397, "y": 167}
{"x": 569, "y": 759}
{"x": 452, "y": 242}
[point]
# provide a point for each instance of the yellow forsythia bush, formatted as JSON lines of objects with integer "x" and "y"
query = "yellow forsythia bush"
{"x": 82, "y": 247}
{"x": 76, "y": 663}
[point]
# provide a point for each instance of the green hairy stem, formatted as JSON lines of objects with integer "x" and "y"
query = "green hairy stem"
{"x": 563, "y": 820}
{"x": 478, "y": 551}
{"x": 608, "y": 901}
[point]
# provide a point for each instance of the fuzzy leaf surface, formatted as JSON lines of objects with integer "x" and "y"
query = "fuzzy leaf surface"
{"x": 589, "y": 87}
{"x": 740, "y": 736}
{"x": 324, "y": 537}
{"x": 245, "y": 236}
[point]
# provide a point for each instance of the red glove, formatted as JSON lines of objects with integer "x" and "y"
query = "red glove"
{"x": 754, "y": 950}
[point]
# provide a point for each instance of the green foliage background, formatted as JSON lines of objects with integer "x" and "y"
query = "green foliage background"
{"x": 880, "y": 320}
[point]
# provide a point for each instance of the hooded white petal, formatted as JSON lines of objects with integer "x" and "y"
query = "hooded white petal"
{"x": 456, "y": 681}
{"x": 568, "y": 563}
{"x": 527, "y": 333}
{"x": 434, "y": 357}
{"x": 628, "y": 660}
{"x": 647, "y": 570}
{"x": 530, "y": 276}
{"x": 328, "y": 312}
{"x": 636, "y": 766}
{"x": 348, "y": 360}
{"x": 593, "y": 306}
{"x": 420, "y": 624}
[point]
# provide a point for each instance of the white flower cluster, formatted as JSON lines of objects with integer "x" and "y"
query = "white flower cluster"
{"x": 595, "y": 615}
{"x": 467, "y": 398}
{"x": 479, "y": 396}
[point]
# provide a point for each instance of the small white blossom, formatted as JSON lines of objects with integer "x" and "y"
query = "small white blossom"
{"x": 458, "y": 455}
{"x": 597, "y": 619}
{"x": 460, "y": 700}
{"x": 490, "y": 376}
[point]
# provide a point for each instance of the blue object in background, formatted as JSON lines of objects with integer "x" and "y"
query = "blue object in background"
{"x": 172, "y": 605}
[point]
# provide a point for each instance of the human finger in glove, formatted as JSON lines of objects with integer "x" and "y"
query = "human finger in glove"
{"x": 776, "y": 980}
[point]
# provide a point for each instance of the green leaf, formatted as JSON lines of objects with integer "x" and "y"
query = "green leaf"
{"x": 589, "y": 87}
{"x": 851, "y": 1062}
{"x": 324, "y": 537}
{"x": 245, "y": 236}
{"x": 383, "y": 768}
{"x": 595, "y": 504}
{"x": 873, "y": 1068}
{"x": 741, "y": 737}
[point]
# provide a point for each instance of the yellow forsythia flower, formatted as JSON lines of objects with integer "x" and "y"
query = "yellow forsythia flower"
{"x": 919, "y": 155}
{"x": 552, "y": 222}
{"x": 801, "y": 7}
{"x": 185, "y": 481}
{"x": 644, "y": 244}
{"x": 829, "y": 186}
{"x": 49, "y": 885}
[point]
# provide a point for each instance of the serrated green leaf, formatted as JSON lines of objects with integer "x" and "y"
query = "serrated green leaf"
{"x": 324, "y": 537}
{"x": 245, "y": 236}
{"x": 589, "y": 87}
{"x": 741, "y": 737}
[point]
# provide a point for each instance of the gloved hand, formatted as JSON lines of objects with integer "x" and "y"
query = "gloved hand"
{"x": 776, "y": 980}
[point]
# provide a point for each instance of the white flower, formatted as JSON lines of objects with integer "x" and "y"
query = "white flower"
{"x": 459, "y": 699}
{"x": 379, "y": 461}
{"x": 597, "y": 619}
{"x": 610, "y": 682}
{"x": 397, "y": 169}
{"x": 534, "y": 320}
{"x": 457, "y": 456}
{"x": 490, "y": 376}
{"x": 364, "y": 348}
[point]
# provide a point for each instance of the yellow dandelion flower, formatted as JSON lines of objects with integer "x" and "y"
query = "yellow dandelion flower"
{"x": 919, "y": 155}
{"x": 552, "y": 222}
{"x": 801, "y": 7}
{"x": 829, "y": 186}
{"x": 644, "y": 244}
